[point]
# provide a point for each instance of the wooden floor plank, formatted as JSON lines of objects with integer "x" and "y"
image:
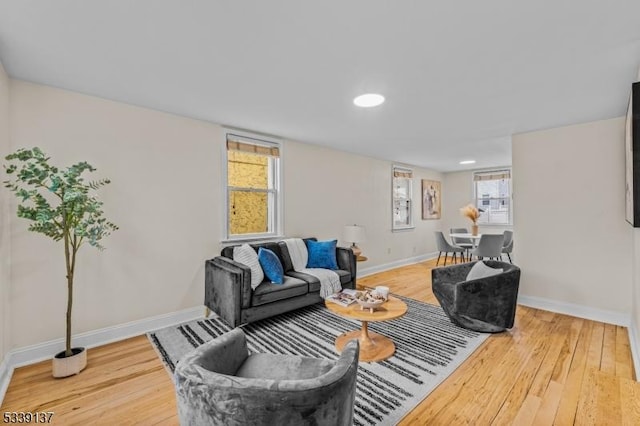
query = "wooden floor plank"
{"x": 608, "y": 397}
{"x": 526, "y": 413}
{"x": 561, "y": 369}
{"x": 536, "y": 373}
{"x": 533, "y": 378}
{"x": 571, "y": 394}
{"x": 629, "y": 402}
{"x": 608, "y": 363}
{"x": 587, "y": 413}
{"x": 624, "y": 365}
{"x": 549, "y": 406}
{"x": 558, "y": 340}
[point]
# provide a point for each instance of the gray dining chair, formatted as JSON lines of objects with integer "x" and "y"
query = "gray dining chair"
{"x": 465, "y": 243}
{"x": 490, "y": 245}
{"x": 507, "y": 245}
{"x": 446, "y": 248}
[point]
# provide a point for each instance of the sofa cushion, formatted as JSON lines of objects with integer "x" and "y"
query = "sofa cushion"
{"x": 314, "y": 282}
{"x": 271, "y": 265}
{"x": 283, "y": 367}
{"x": 322, "y": 254}
{"x": 246, "y": 255}
{"x": 269, "y": 292}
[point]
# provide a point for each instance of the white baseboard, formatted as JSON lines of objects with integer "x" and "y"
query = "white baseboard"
{"x": 580, "y": 311}
{"x": 634, "y": 342}
{"x": 5, "y": 376}
{"x": 396, "y": 264}
{"x": 43, "y": 351}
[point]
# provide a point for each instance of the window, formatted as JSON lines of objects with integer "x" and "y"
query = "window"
{"x": 402, "y": 198}
{"x": 253, "y": 188}
{"x": 493, "y": 196}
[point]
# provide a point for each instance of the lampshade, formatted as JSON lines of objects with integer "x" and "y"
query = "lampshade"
{"x": 354, "y": 234}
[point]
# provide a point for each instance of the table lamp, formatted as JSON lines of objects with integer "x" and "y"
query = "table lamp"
{"x": 354, "y": 234}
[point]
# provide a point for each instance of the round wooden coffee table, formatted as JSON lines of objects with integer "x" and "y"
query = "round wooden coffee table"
{"x": 373, "y": 346}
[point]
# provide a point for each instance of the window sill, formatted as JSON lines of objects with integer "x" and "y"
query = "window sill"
{"x": 251, "y": 239}
{"x": 406, "y": 228}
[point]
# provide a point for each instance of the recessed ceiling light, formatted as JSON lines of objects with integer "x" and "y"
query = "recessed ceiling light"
{"x": 368, "y": 100}
{"x": 468, "y": 162}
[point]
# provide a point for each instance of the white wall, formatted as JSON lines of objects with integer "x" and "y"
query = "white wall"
{"x": 166, "y": 196}
{"x": 5, "y": 148}
{"x": 573, "y": 243}
{"x": 327, "y": 189}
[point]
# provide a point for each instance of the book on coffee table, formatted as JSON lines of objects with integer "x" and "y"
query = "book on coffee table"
{"x": 345, "y": 297}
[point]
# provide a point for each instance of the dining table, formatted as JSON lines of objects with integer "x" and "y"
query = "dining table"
{"x": 474, "y": 238}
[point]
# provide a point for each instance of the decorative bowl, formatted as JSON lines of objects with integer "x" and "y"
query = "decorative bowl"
{"x": 369, "y": 305}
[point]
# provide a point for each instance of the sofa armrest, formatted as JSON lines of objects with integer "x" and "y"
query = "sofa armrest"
{"x": 227, "y": 288}
{"x": 347, "y": 262}
{"x": 224, "y": 354}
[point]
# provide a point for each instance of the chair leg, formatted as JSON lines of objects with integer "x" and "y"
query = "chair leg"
{"x": 509, "y": 256}
{"x": 438, "y": 261}
{"x": 445, "y": 257}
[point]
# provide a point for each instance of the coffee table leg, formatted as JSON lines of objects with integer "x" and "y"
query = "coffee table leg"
{"x": 365, "y": 340}
{"x": 373, "y": 346}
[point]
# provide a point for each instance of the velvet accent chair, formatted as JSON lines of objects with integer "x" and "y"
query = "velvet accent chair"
{"x": 220, "y": 383}
{"x": 507, "y": 246}
{"x": 446, "y": 248}
{"x": 487, "y": 305}
{"x": 465, "y": 243}
{"x": 490, "y": 245}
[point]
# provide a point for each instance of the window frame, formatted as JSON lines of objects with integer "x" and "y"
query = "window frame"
{"x": 478, "y": 198}
{"x": 411, "y": 225}
{"x": 275, "y": 206}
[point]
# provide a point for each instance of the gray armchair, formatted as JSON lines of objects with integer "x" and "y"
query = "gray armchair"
{"x": 486, "y": 304}
{"x": 219, "y": 383}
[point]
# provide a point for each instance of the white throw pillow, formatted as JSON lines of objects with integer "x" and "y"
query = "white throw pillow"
{"x": 298, "y": 253}
{"x": 480, "y": 270}
{"x": 246, "y": 255}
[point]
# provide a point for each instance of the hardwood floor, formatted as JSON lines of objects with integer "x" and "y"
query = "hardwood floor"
{"x": 548, "y": 369}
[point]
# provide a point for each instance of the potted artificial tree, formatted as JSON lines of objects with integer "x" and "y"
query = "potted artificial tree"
{"x": 62, "y": 206}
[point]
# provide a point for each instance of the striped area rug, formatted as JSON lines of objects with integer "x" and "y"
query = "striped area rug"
{"x": 428, "y": 348}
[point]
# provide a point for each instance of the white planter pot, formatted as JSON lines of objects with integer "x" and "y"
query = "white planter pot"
{"x": 68, "y": 366}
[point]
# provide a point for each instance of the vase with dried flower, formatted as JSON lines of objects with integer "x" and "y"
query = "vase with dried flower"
{"x": 473, "y": 214}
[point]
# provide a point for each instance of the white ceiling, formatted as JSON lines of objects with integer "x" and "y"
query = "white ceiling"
{"x": 459, "y": 76}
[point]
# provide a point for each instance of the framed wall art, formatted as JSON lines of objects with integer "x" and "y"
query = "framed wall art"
{"x": 431, "y": 199}
{"x": 632, "y": 158}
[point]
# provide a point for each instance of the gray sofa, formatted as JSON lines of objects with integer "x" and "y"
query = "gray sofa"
{"x": 228, "y": 290}
{"x": 220, "y": 383}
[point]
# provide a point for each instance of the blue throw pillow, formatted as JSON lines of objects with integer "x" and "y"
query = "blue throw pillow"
{"x": 271, "y": 265}
{"x": 322, "y": 254}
